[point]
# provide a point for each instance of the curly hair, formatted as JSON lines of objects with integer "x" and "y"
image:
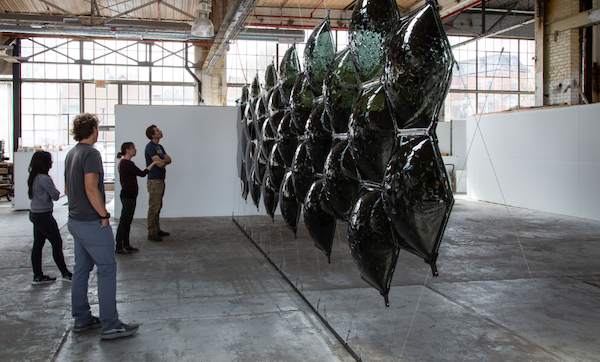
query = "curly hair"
{"x": 83, "y": 126}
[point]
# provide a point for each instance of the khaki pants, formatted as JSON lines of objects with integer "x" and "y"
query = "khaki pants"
{"x": 156, "y": 191}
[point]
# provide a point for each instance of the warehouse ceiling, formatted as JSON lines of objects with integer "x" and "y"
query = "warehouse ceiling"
{"x": 170, "y": 20}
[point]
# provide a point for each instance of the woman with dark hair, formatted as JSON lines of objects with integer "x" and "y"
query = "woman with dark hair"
{"x": 128, "y": 173}
{"x": 41, "y": 192}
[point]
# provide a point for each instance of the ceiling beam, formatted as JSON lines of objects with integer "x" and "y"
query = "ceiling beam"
{"x": 130, "y": 10}
{"x": 178, "y": 10}
{"x": 581, "y": 20}
{"x": 57, "y": 7}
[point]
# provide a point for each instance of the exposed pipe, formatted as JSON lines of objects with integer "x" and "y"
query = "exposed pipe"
{"x": 198, "y": 81}
{"x": 463, "y": 9}
{"x": 295, "y": 26}
{"x": 315, "y": 9}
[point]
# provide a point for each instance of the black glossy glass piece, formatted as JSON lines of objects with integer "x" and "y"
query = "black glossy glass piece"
{"x": 270, "y": 76}
{"x": 372, "y": 136}
{"x": 319, "y": 218}
{"x": 417, "y": 196}
{"x": 270, "y": 194}
{"x": 418, "y": 68}
{"x": 276, "y": 166}
{"x": 287, "y": 138}
{"x": 276, "y": 108}
{"x": 245, "y": 186}
{"x": 318, "y": 55}
{"x": 251, "y": 147}
{"x": 341, "y": 89}
{"x": 288, "y": 202}
{"x": 250, "y": 129}
{"x": 289, "y": 68}
{"x": 255, "y": 185}
{"x": 267, "y": 140}
{"x": 372, "y": 243}
{"x": 342, "y": 185}
{"x": 301, "y": 103}
{"x": 372, "y": 21}
{"x": 303, "y": 172}
{"x": 318, "y": 136}
{"x": 244, "y": 97}
{"x": 255, "y": 89}
{"x": 260, "y": 116}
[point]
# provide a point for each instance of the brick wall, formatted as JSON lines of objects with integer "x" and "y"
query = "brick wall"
{"x": 561, "y": 55}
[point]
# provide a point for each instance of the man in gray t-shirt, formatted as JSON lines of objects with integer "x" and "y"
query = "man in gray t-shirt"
{"x": 94, "y": 242}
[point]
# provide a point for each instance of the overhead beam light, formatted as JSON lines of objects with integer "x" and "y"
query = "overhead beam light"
{"x": 203, "y": 27}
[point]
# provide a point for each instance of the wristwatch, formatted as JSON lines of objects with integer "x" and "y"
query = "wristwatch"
{"x": 106, "y": 217}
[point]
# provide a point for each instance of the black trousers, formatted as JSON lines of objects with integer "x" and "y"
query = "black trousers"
{"x": 124, "y": 228}
{"x": 45, "y": 227}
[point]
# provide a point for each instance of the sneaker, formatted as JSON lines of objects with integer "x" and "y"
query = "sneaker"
{"x": 122, "y": 252}
{"x": 42, "y": 279}
{"x": 94, "y": 323}
{"x": 67, "y": 277}
{"x": 162, "y": 233}
{"x": 124, "y": 330}
{"x": 154, "y": 237}
{"x": 131, "y": 248}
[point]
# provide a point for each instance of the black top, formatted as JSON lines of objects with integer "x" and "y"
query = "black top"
{"x": 128, "y": 173}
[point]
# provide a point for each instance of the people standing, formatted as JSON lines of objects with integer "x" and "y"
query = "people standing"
{"x": 156, "y": 182}
{"x": 41, "y": 192}
{"x": 92, "y": 234}
{"x": 128, "y": 173}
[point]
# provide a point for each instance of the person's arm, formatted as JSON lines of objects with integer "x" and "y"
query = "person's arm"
{"x": 167, "y": 159}
{"x": 93, "y": 194}
{"x": 49, "y": 187}
{"x": 159, "y": 161}
{"x": 152, "y": 165}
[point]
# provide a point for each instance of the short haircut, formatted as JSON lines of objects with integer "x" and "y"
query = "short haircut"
{"x": 83, "y": 126}
{"x": 150, "y": 131}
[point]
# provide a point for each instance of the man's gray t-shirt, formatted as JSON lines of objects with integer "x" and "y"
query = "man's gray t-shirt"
{"x": 82, "y": 159}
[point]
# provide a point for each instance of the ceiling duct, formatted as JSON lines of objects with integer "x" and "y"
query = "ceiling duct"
{"x": 277, "y": 35}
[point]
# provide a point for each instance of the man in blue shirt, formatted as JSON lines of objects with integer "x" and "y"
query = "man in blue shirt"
{"x": 156, "y": 181}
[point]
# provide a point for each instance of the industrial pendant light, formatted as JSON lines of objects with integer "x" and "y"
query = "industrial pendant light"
{"x": 203, "y": 27}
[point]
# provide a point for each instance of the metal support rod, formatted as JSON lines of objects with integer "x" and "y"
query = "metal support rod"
{"x": 483, "y": 17}
{"x": 331, "y": 329}
{"x": 16, "y": 68}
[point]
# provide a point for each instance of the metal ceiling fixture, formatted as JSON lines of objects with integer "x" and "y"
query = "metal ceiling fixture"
{"x": 203, "y": 27}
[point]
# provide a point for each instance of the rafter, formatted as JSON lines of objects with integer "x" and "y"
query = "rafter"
{"x": 57, "y": 7}
{"x": 130, "y": 10}
{"x": 178, "y": 10}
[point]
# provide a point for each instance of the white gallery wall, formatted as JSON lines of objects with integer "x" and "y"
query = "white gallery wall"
{"x": 202, "y": 141}
{"x": 546, "y": 159}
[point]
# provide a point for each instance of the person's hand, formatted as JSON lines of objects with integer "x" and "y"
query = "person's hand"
{"x": 105, "y": 222}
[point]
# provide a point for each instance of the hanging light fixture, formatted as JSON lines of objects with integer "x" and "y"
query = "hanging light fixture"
{"x": 203, "y": 27}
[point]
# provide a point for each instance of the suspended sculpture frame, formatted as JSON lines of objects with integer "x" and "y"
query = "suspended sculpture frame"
{"x": 375, "y": 110}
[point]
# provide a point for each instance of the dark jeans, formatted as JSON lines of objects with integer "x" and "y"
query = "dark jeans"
{"x": 45, "y": 227}
{"x": 127, "y": 212}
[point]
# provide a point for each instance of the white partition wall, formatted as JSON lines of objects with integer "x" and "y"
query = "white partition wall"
{"x": 202, "y": 141}
{"x": 547, "y": 159}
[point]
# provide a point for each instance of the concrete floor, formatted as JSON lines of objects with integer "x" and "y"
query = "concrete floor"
{"x": 523, "y": 286}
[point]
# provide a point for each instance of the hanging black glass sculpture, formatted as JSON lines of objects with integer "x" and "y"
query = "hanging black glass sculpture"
{"x": 318, "y": 136}
{"x": 270, "y": 194}
{"x": 342, "y": 184}
{"x": 301, "y": 103}
{"x": 372, "y": 135}
{"x": 372, "y": 21}
{"x": 288, "y": 202}
{"x": 249, "y": 129}
{"x": 289, "y": 68}
{"x": 270, "y": 76}
{"x": 319, "y": 218}
{"x": 417, "y": 196}
{"x": 318, "y": 55}
{"x": 287, "y": 138}
{"x": 372, "y": 243}
{"x": 418, "y": 68}
{"x": 267, "y": 140}
{"x": 303, "y": 172}
{"x": 244, "y": 97}
{"x": 341, "y": 89}
{"x": 251, "y": 147}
